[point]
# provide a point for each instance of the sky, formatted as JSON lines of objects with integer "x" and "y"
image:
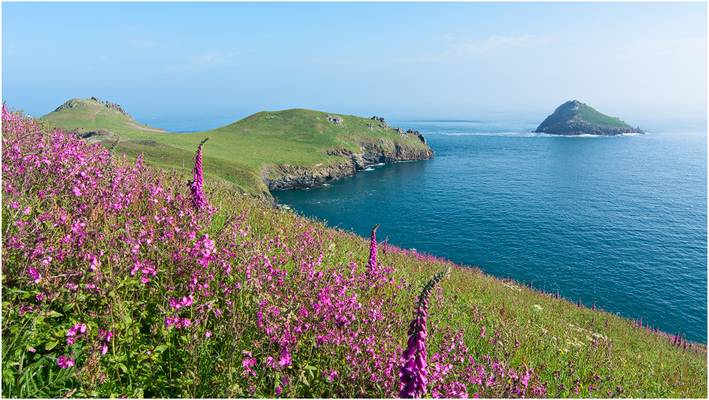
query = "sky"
{"x": 224, "y": 61}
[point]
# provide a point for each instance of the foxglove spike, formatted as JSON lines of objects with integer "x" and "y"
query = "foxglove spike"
{"x": 413, "y": 374}
{"x": 372, "y": 267}
{"x": 196, "y": 185}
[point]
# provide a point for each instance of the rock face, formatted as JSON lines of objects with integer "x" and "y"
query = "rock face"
{"x": 283, "y": 177}
{"x": 98, "y": 136}
{"x": 574, "y": 118}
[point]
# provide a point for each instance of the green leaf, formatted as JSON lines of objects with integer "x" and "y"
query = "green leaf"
{"x": 51, "y": 344}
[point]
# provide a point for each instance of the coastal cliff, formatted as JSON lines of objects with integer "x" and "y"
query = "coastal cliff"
{"x": 284, "y": 176}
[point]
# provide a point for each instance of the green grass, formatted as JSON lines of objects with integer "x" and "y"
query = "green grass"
{"x": 591, "y": 115}
{"x": 241, "y": 150}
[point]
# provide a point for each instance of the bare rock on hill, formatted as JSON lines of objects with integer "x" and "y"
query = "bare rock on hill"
{"x": 98, "y": 136}
{"x": 417, "y": 134}
{"x": 381, "y": 122}
{"x": 333, "y": 119}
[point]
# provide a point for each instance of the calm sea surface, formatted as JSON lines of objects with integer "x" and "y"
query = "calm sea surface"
{"x": 617, "y": 221}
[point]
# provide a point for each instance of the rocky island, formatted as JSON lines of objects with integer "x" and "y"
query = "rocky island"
{"x": 575, "y": 118}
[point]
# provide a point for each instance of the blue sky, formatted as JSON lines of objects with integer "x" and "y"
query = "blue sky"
{"x": 227, "y": 60}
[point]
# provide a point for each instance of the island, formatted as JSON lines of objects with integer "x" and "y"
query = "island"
{"x": 266, "y": 151}
{"x": 575, "y": 118}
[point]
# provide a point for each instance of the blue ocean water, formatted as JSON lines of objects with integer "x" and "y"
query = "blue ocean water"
{"x": 616, "y": 221}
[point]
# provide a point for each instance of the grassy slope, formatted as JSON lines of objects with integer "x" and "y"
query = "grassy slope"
{"x": 240, "y": 150}
{"x": 555, "y": 339}
{"x": 591, "y": 115}
{"x": 555, "y": 336}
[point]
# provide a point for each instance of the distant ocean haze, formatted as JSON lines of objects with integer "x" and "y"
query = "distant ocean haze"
{"x": 615, "y": 221}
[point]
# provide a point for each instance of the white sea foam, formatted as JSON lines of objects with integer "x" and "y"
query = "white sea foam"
{"x": 528, "y": 134}
{"x": 369, "y": 169}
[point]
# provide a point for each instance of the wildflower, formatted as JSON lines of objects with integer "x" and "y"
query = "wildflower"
{"x": 248, "y": 363}
{"x": 330, "y": 376}
{"x": 208, "y": 334}
{"x": 198, "y": 199}
{"x": 65, "y": 362}
{"x": 104, "y": 336}
{"x": 285, "y": 359}
{"x": 372, "y": 263}
{"x": 74, "y": 332}
{"x": 34, "y": 274}
{"x": 525, "y": 378}
{"x": 412, "y": 372}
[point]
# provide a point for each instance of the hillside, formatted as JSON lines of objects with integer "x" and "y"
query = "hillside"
{"x": 266, "y": 151}
{"x": 116, "y": 283}
{"x": 575, "y": 118}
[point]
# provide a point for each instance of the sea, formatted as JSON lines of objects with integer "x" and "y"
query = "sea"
{"x": 619, "y": 222}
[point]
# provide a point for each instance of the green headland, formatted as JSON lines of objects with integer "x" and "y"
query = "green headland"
{"x": 286, "y": 149}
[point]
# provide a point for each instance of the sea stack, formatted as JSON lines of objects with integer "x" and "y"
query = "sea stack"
{"x": 575, "y": 118}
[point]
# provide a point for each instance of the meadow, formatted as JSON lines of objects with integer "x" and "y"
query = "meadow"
{"x": 122, "y": 279}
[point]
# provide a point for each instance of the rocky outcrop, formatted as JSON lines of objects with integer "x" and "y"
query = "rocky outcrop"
{"x": 283, "y": 177}
{"x": 74, "y": 103}
{"x": 334, "y": 119}
{"x": 380, "y": 121}
{"x": 97, "y": 136}
{"x": 418, "y": 135}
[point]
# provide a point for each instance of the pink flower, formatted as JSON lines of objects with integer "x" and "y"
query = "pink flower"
{"x": 372, "y": 263}
{"x": 413, "y": 370}
{"x": 285, "y": 359}
{"x": 65, "y": 362}
{"x": 198, "y": 199}
{"x": 74, "y": 332}
{"x": 248, "y": 363}
{"x": 330, "y": 376}
{"x": 34, "y": 274}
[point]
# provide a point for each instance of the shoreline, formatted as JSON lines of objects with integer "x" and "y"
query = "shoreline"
{"x": 289, "y": 177}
